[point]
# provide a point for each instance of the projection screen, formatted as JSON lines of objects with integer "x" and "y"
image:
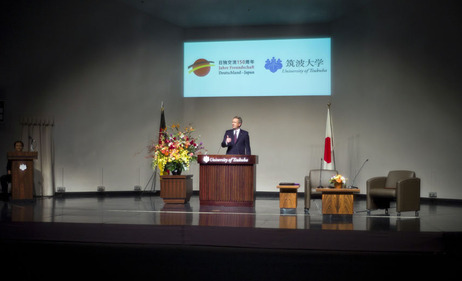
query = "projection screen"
{"x": 246, "y": 68}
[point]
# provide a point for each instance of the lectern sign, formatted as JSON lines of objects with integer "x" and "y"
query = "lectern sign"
{"x": 227, "y": 159}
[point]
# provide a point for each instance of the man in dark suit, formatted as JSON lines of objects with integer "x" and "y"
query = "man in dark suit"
{"x": 236, "y": 140}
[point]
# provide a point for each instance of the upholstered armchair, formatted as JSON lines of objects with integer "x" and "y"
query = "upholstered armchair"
{"x": 400, "y": 186}
{"x": 312, "y": 182}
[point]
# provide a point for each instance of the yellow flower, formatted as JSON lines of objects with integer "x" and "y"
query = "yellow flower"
{"x": 338, "y": 178}
{"x": 176, "y": 150}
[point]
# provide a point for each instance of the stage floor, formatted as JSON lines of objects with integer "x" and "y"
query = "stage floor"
{"x": 151, "y": 210}
{"x": 130, "y": 236}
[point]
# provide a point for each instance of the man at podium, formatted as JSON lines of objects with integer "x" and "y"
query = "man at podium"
{"x": 236, "y": 140}
{"x": 5, "y": 179}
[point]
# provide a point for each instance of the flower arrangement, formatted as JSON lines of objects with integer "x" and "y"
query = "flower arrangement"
{"x": 338, "y": 179}
{"x": 175, "y": 151}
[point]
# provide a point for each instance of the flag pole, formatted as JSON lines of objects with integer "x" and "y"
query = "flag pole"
{"x": 162, "y": 126}
{"x": 332, "y": 135}
{"x": 329, "y": 159}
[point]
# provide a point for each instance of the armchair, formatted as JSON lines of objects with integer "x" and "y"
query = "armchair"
{"x": 312, "y": 182}
{"x": 400, "y": 186}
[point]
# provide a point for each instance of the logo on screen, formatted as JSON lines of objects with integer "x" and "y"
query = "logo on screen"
{"x": 273, "y": 65}
{"x": 201, "y": 67}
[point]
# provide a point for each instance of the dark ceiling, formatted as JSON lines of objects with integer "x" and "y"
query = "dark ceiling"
{"x": 220, "y": 13}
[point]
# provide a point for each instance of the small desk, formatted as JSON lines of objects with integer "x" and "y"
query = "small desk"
{"x": 176, "y": 189}
{"x": 288, "y": 197}
{"x": 337, "y": 201}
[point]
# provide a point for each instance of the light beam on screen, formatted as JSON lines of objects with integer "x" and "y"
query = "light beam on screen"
{"x": 246, "y": 68}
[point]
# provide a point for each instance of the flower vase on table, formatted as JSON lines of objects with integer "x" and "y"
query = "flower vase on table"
{"x": 174, "y": 152}
{"x": 176, "y": 172}
{"x": 338, "y": 181}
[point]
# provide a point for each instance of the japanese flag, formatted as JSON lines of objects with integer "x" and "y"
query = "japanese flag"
{"x": 328, "y": 163}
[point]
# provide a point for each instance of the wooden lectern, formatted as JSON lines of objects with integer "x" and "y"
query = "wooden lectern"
{"x": 22, "y": 174}
{"x": 288, "y": 196}
{"x": 227, "y": 180}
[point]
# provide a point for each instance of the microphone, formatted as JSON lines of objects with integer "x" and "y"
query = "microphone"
{"x": 320, "y": 175}
{"x": 220, "y": 146}
{"x": 352, "y": 185}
